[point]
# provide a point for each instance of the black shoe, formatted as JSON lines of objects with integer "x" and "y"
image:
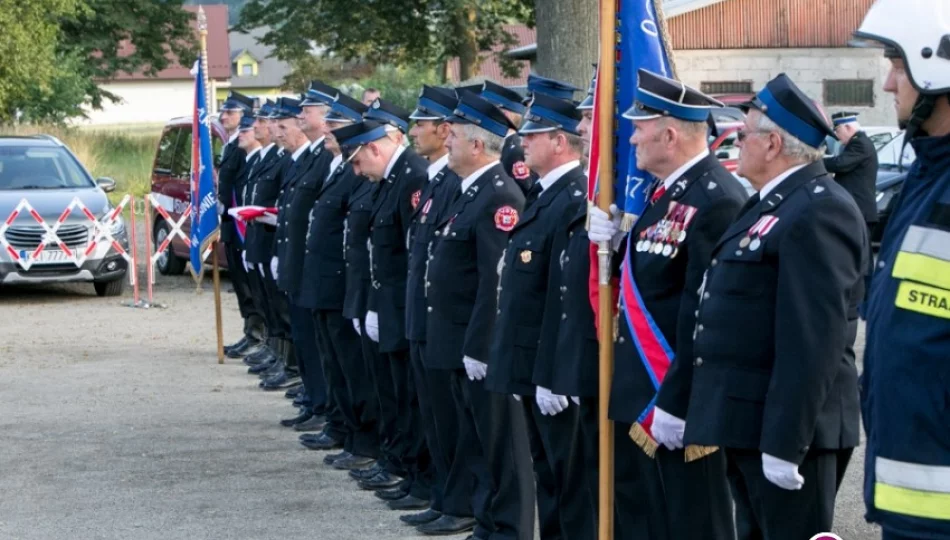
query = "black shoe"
{"x": 313, "y": 424}
{"x": 383, "y": 480}
{"x": 257, "y": 369}
{"x": 275, "y": 369}
{"x": 408, "y": 503}
{"x": 264, "y": 355}
{"x": 239, "y": 345}
{"x": 292, "y": 393}
{"x": 280, "y": 382}
{"x": 329, "y": 459}
{"x": 421, "y": 518}
{"x": 323, "y": 442}
{"x": 447, "y": 525}
{"x": 303, "y": 416}
{"x": 366, "y": 474}
{"x": 391, "y": 494}
{"x": 353, "y": 462}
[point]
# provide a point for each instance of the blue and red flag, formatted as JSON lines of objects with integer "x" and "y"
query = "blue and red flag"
{"x": 205, "y": 222}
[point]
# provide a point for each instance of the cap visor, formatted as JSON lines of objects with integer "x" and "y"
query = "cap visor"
{"x": 529, "y": 127}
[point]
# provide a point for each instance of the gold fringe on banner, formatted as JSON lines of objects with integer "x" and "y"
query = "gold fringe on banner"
{"x": 644, "y": 441}
{"x": 665, "y": 34}
{"x": 695, "y": 452}
{"x": 626, "y": 223}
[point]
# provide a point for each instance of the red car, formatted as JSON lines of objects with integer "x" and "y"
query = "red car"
{"x": 724, "y": 146}
{"x": 171, "y": 187}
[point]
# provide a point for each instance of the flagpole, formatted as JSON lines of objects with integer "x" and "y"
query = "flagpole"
{"x": 216, "y": 275}
{"x": 606, "y": 96}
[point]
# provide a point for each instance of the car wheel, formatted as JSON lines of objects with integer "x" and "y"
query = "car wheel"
{"x": 168, "y": 263}
{"x": 110, "y": 288}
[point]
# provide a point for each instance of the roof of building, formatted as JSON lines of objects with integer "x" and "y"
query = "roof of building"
{"x": 219, "y": 65}
{"x": 270, "y": 70}
{"x": 490, "y": 68}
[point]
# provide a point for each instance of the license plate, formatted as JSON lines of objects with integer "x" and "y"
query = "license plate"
{"x": 47, "y": 256}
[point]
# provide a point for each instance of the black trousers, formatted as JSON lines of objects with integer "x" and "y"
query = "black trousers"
{"x": 242, "y": 288}
{"x": 547, "y": 490}
{"x": 573, "y": 512}
{"x": 386, "y": 402}
{"x": 590, "y": 445}
{"x": 780, "y": 514}
{"x": 280, "y": 307}
{"x": 345, "y": 373}
{"x": 261, "y": 301}
{"x": 493, "y": 442}
{"x": 407, "y": 441}
{"x": 308, "y": 356}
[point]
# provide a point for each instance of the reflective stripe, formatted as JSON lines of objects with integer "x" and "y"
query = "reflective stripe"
{"x": 923, "y": 269}
{"x": 925, "y": 241}
{"x": 923, "y": 299}
{"x": 912, "y": 475}
{"x": 912, "y": 489}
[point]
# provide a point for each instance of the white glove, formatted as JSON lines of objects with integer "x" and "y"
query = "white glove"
{"x": 248, "y": 267}
{"x": 576, "y": 400}
{"x": 475, "y": 370}
{"x": 356, "y": 326}
{"x": 220, "y": 209}
{"x": 667, "y": 429}
{"x": 260, "y": 268}
{"x": 783, "y": 474}
{"x": 372, "y": 325}
{"x": 604, "y": 228}
{"x": 550, "y": 404}
{"x": 273, "y": 267}
{"x": 267, "y": 218}
{"x": 517, "y": 397}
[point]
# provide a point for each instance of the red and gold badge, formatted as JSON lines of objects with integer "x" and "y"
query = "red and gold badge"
{"x": 520, "y": 171}
{"x": 416, "y": 197}
{"x": 506, "y": 218}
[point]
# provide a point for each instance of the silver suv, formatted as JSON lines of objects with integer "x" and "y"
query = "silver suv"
{"x": 44, "y": 173}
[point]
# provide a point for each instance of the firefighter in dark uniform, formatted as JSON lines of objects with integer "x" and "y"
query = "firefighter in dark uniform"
{"x": 322, "y": 290}
{"x": 437, "y": 420}
{"x": 663, "y": 491}
{"x": 569, "y": 343}
{"x": 232, "y": 163}
{"x": 463, "y": 279}
{"x": 512, "y": 155}
{"x": 379, "y": 155}
{"x": 553, "y": 149}
{"x": 782, "y": 401}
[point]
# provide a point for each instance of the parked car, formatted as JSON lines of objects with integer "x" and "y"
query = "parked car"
{"x": 894, "y": 159}
{"x": 171, "y": 187}
{"x": 44, "y": 172}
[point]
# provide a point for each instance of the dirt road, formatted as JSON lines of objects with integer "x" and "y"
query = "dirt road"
{"x": 118, "y": 423}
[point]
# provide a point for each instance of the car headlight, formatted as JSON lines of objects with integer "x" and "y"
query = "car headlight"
{"x": 115, "y": 227}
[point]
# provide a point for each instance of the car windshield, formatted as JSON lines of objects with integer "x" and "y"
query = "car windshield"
{"x": 40, "y": 167}
{"x": 894, "y": 153}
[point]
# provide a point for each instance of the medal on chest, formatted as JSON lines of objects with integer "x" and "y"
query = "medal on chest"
{"x": 425, "y": 211}
{"x": 753, "y": 238}
{"x": 665, "y": 236}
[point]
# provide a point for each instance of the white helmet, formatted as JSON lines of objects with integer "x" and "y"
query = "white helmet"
{"x": 917, "y": 31}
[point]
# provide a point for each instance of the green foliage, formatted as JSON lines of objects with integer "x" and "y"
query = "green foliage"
{"x": 399, "y": 85}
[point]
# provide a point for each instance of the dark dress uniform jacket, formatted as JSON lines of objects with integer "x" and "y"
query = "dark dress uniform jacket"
{"x": 323, "y": 283}
{"x": 300, "y": 194}
{"x": 855, "y": 168}
{"x": 568, "y": 354}
{"x": 355, "y": 252}
{"x": 770, "y": 371}
{"x": 441, "y": 192}
{"x": 264, "y": 189}
{"x": 389, "y": 255}
{"x": 512, "y": 157}
{"x": 463, "y": 270}
{"x": 232, "y": 161}
{"x": 522, "y": 292}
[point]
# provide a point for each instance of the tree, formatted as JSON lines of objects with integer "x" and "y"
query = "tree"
{"x": 400, "y": 32}
{"x": 567, "y": 40}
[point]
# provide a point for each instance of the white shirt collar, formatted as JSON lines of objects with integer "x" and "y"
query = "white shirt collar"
{"x": 334, "y": 164}
{"x": 252, "y": 154}
{"x": 686, "y": 166}
{"x": 392, "y": 161}
{"x": 266, "y": 149}
{"x": 470, "y": 179}
{"x": 234, "y": 136}
{"x": 553, "y": 176}
{"x": 437, "y": 166}
{"x": 314, "y": 144}
{"x": 299, "y": 152}
{"x": 773, "y": 183}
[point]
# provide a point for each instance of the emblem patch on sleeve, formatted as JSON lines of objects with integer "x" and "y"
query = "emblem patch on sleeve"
{"x": 520, "y": 171}
{"x": 506, "y": 218}
{"x": 416, "y": 196}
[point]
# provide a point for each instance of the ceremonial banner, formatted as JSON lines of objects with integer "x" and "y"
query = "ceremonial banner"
{"x": 205, "y": 221}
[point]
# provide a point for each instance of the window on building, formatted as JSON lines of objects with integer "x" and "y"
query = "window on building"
{"x": 726, "y": 87}
{"x": 247, "y": 70}
{"x": 848, "y": 92}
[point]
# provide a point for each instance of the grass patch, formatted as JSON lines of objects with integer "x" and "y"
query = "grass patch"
{"x": 125, "y": 156}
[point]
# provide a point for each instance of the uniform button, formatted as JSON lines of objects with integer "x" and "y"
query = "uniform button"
{"x": 563, "y": 288}
{"x": 738, "y": 253}
{"x": 453, "y": 234}
{"x": 564, "y": 316}
{"x": 714, "y": 262}
{"x": 428, "y": 283}
{"x": 347, "y": 264}
{"x": 698, "y": 362}
{"x": 706, "y": 296}
{"x": 429, "y": 309}
{"x": 499, "y": 312}
{"x": 567, "y": 259}
{"x": 701, "y": 328}
{"x": 881, "y": 264}
{"x": 570, "y": 234}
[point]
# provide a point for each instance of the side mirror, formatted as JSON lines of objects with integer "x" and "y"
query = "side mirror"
{"x": 106, "y": 184}
{"x": 722, "y": 155}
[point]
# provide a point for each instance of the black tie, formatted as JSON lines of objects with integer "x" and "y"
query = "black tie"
{"x": 533, "y": 194}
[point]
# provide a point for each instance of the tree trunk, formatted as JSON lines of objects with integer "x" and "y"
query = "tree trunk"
{"x": 567, "y": 40}
{"x": 468, "y": 48}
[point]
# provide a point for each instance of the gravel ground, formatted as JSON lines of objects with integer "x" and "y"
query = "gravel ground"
{"x": 119, "y": 423}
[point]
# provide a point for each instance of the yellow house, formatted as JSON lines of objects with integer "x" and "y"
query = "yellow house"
{"x": 254, "y": 72}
